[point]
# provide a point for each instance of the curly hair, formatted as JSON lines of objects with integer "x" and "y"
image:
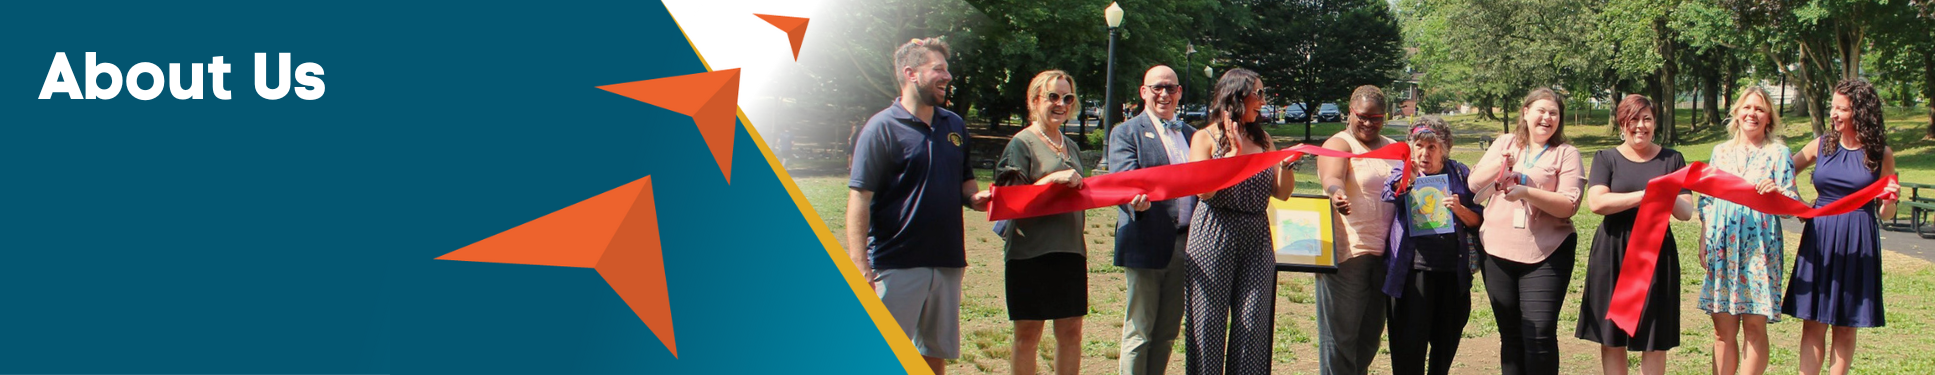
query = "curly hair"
{"x": 1522, "y": 134}
{"x": 1039, "y": 87}
{"x": 1431, "y": 128}
{"x": 1865, "y": 107}
{"x": 1232, "y": 93}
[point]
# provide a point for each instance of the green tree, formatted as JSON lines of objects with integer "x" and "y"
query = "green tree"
{"x": 841, "y": 84}
{"x": 1813, "y": 42}
{"x": 1906, "y": 51}
{"x": 1491, "y": 52}
{"x": 1318, "y": 50}
{"x": 1024, "y": 37}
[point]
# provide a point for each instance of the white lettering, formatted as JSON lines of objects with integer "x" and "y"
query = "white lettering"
{"x": 60, "y": 78}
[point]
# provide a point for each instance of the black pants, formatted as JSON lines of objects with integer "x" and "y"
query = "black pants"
{"x": 1526, "y": 299}
{"x": 1430, "y": 317}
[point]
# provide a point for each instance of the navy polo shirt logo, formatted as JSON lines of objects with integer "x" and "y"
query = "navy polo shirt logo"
{"x": 954, "y": 137}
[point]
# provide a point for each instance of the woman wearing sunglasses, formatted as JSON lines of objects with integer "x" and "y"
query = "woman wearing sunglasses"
{"x": 1228, "y": 265}
{"x": 1047, "y": 261}
{"x": 1350, "y": 305}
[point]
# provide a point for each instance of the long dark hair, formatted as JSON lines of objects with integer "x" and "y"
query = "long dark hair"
{"x": 1232, "y": 92}
{"x": 1865, "y": 106}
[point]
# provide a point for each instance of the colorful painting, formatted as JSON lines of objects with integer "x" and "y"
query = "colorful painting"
{"x": 1429, "y": 216}
{"x": 1301, "y": 231}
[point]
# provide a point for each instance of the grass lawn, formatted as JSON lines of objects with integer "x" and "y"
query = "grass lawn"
{"x": 1897, "y": 348}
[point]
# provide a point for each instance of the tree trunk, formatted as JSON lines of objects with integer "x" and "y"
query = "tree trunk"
{"x": 1666, "y": 100}
{"x": 1697, "y": 116}
{"x": 1903, "y": 94}
{"x": 1484, "y": 106}
{"x": 1928, "y": 88}
{"x": 1730, "y": 83}
{"x": 1848, "y": 37}
{"x": 1807, "y": 82}
{"x": 1504, "y": 112}
{"x": 1663, "y": 104}
{"x": 1506, "y": 120}
{"x": 1618, "y": 94}
{"x": 1712, "y": 95}
{"x": 1309, "y": 114}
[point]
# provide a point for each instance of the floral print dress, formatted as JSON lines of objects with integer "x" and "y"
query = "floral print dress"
{"x": 1744, "y": 247}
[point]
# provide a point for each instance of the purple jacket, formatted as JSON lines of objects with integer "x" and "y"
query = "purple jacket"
{"x": 1398, "y": 260}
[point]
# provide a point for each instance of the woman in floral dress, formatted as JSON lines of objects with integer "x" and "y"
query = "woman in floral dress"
{"x": 1742, "y": 248}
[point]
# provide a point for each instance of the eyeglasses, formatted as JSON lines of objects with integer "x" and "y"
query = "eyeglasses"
{"x": 1165, "y": 87}
{"x": 1064, "y": 99}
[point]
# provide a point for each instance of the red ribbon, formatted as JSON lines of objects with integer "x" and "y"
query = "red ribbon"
{"x": 1649, "y": 228}
{"x": 1162, "y": 183}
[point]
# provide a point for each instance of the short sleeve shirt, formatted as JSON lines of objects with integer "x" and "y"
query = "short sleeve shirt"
{"x": 1032, "y": 158}
{"x": 915, "y": 172}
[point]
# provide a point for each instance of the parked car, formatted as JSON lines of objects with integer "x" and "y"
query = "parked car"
{"x": 1266, "y": 114}
{"x": 1295, "y": 114}
{"x": 1327, "y": 112}
{"x": 1196, "y": 112}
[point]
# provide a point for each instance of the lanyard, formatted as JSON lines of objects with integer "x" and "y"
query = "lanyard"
{"x": 1528, "y": 163}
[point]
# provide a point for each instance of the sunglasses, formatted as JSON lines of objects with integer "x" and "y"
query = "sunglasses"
{"x": 1166, "y": 87}
{"x": 1064, "y": 99}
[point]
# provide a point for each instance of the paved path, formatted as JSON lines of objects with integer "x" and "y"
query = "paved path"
{"x": 1896, "y": 238}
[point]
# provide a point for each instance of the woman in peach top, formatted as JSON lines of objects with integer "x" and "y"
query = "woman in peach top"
{"x": 1351, "y": 301}
{"x": 1530, "y": 181}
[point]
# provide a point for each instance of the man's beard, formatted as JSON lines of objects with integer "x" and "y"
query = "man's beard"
{"x": 930, "y": 97}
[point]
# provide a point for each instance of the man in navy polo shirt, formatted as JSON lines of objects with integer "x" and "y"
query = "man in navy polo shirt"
{"x": 910, "y": 178}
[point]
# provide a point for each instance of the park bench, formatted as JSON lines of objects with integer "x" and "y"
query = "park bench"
{"x": 1918, "y": 206}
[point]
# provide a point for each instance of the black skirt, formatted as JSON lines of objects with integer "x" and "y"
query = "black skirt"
{"x": 1659, "y": 319}
{"x": 1048, "y": 287}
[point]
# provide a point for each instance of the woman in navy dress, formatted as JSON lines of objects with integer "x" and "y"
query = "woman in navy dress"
{"x": 1837, "y": 271}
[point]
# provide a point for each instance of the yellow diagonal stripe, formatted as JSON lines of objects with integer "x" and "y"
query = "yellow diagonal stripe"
{"x": 910, "y": 358}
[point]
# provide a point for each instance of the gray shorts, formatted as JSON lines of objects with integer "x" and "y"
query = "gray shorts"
{"x": 926, "y": 302}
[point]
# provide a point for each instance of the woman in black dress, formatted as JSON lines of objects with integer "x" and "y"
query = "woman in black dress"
{"x": 1615, "y": 184}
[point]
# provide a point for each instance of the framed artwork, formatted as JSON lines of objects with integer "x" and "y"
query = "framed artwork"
{"x": 1301, "y": 232}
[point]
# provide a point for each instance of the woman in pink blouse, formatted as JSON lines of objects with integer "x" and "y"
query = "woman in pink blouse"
{"x": 1530, "y": 181}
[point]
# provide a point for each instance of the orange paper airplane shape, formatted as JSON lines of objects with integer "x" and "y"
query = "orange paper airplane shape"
{"x": 711, "y": 98}
{"x": 795, "y": 28}
{"x": 615, "y": 233}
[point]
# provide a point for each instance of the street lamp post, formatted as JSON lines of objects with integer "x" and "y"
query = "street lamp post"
{"x": 1188, "y": 49}
{"x": 1114, "y": 17}
{"x": 1209, "y": 89}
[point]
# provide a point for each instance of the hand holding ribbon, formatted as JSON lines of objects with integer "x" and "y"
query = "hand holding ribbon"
{"x": 1162, "y": 183}
{"x": 1649, "y": 229}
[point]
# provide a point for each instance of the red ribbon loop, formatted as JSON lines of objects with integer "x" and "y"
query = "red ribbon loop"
{"x": 1649, "y": 228}
{"x": 1162, "y": 183}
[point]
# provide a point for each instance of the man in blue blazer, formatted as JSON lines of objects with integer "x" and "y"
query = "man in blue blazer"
{"x": 1149, "y": 236}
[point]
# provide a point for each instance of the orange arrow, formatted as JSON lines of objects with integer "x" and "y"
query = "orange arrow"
{"x": 615, "y": 233}
{"x": 795, "y": 28}
{"x": 711, "y": 98}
